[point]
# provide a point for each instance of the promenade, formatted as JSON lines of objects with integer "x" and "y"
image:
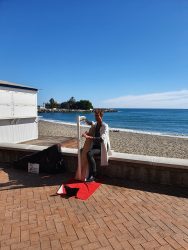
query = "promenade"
{"x": 119, "y": 215}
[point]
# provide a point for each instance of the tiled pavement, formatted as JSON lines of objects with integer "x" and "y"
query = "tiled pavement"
{"x": 119, "y": 215}
{"x": 68, "y": 142}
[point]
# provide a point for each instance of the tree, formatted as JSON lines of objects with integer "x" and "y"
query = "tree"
{"x": 64, "y": 105}
{"x": 53, "y": 103}
{"x": 84, "y": 104}
{"x": 71, "y": 103}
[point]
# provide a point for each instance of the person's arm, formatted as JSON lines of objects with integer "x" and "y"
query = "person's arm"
{"x": 87, "y": 136}
{"x": 89, "y": 122}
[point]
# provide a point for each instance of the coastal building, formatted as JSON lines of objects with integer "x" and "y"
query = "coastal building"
{"x": 18, "y": 113}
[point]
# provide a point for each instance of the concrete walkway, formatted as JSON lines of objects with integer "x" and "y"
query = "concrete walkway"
{"x": 68, "y": 142}
{"x": 119, "y": 215}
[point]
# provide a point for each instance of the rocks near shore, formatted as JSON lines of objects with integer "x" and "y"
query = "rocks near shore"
{"x": 45, "y": 110}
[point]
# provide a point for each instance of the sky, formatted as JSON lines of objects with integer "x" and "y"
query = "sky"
{"x": 115, "y": 53}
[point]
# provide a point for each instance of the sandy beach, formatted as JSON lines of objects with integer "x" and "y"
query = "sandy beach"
{"x": 126, "y": 142}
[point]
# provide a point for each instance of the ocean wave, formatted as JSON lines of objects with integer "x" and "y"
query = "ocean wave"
{"x": 63, "y": 122}
{"x": 148, "y": 132}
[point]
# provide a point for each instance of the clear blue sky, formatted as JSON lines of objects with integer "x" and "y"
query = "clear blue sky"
{"x": 115, "y": 53}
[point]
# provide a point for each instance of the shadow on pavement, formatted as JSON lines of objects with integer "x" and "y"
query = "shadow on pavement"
{"x": 15, "y": 179}
{"x": 18, "y": 178}
{"x": 153, "y": 188}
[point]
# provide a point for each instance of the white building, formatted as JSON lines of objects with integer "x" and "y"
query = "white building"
{"x": 18, "y": 112}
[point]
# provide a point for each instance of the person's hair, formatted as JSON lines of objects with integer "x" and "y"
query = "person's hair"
{"x": 99, "y": 112}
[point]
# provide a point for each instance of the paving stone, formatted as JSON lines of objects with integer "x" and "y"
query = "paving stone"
{"x": 119, "y": 215}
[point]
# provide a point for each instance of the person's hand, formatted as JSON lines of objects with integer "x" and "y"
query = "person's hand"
{"x": 85, "y": 134}
{"x": 88, "y": 122}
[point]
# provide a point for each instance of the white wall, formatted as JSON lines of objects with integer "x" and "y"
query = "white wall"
{"x": 17, "y": 103}
{"x": 18, "y": 130}
{"x": 18, "y": 115}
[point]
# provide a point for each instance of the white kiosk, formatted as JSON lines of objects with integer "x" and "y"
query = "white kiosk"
{"x": 18, "y": 113}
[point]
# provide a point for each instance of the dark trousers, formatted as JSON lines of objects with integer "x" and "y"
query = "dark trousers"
{"x": 91, "y": 161}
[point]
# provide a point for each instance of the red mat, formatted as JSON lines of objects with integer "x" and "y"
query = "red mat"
{"x": 85, "y": 189}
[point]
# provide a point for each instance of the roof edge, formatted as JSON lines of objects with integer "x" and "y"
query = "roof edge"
{"x": 15, "y": 85}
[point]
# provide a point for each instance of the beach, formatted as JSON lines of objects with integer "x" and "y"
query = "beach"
{"x": 126, "y": 142}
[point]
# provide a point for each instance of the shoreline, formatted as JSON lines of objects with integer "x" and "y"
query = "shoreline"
{"x": 121, "y": 129}
{"x": 62, "y": 110}
{"x": 125, "y": 142}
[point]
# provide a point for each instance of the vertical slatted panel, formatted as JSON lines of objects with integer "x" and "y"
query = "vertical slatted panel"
{"x": 18, "y": 130}
{"x": 15, "y": 105}
{"x": 24, "y": 104}
{"x": 5, "y": 103}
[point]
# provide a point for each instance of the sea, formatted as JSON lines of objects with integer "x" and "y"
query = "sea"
{"x": 172, "y": 122}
